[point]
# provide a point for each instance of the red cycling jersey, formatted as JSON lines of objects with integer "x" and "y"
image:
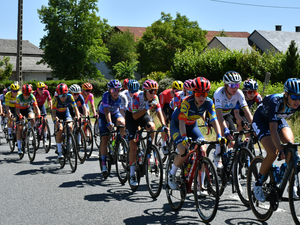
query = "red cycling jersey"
{"x": 42, "y": 98}
{"x": 165, "y": 97}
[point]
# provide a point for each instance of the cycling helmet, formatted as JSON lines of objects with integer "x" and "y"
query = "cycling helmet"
{"x": 15, "y": 87}
{"x": 5, "y": 91}
{"x": 201, "y": 84}
{"x": 114, "y": 84}
{"x": 150, "y": 84}
{"x": 292, "y": 86}
{"x": 125, "y": 83}
{"x": 26, "y": 89}
{"x": 75, "y": 88}
{"x": 232, "y": 77}
{"x": 177, "y": 84}
{"x": 187, "y": 85}
{"x": 41, "y": 85}
{"x": 133, "y": 86}
{"x": 62, "y": 88}
{"x": 250, "y": 84}
{"x": 87, "y": 86}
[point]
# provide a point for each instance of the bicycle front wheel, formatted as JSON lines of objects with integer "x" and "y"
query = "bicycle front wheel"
{"x": 89, "y": 139}
{"x": 154, "y": 172}
{"x": 294, "y": 193}
{"x": 72, "y": 152}
{"x": 47, "y": 139}
{"x": 81, "y": 144}
{"x": 31, "y": 144}
{"x": 121, "y": 149}
{"x": 96, "y": 134}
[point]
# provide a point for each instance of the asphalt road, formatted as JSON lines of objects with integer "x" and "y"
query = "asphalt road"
{"x": 42, "y": 193}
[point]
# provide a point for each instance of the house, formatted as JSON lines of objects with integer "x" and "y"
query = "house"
{"x": 239, "y": 44}
{"x": 31, "y": 55}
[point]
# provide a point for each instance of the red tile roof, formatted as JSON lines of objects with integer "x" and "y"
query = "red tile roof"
{"x": 137, "y": 31}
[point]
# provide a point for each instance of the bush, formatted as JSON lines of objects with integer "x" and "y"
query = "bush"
{"x": 164, "y": 84}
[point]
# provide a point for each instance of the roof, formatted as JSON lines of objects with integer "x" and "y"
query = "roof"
{"x": 231, "y": 43}
{"x": 137, "y": 31}
{"x": 211, "y": 34}
{"x": 9, "y": 46}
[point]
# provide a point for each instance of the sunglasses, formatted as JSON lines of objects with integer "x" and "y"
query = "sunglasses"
{"x": 75, "y": 94}
{"x": 87, "y": 90}
{"x": 115, "y": 90}
{"x": 295, "y": 97}
{"x": 234, "y": 85}
{"x": 251, "y": 92}
{"x": 41, "y": 89}
{"x": 152, "y": 91}
{"x": 190, "y": 92}
{"x": 26, "y": 94}
{"x": 204, "y": 94}
{"x": 62, "y": 95}
{"x": 15, "y": 91}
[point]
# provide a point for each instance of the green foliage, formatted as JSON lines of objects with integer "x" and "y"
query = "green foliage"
{"x": 163, "y": 38}
{"x": 73, "y": 42}
{"x": 5, "y": 68}
{"x": 164, "y": 84}
{"x": 222, "y": 33}
{"x": 122, "y": 48}
{"x": 291, "y": 63}
{"x": 125, "y": 70}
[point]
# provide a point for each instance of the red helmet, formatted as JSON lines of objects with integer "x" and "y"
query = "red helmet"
{"x": 125, "y": 82}
{"x": 62, "y": 88}
{"x": 26, "y": 89}
{"x": 201, "y": 84}
{"x": 150, "y": 84}
{"x": 87, "y": 86}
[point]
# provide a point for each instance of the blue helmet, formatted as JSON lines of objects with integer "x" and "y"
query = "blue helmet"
{"x": 114, "y": 84}
{"x": 133, "y": 86}
{"x": 250, "y": 84}
{"x": 292, "y": 86}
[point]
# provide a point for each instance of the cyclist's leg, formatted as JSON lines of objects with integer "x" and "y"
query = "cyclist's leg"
{"x": 102, "y": 122}
{"x": 19, "y": 132}
{"x": 59, "y": 129}
{"x": 118, "y": 119}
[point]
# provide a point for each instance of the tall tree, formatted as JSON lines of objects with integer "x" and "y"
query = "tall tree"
{"x": 5, "y": 68}
{"x": 122, "y": 48}
{"x": 291, "y": 64}
{"x": 163, "y": 38}
{"x": 74, "y": 39}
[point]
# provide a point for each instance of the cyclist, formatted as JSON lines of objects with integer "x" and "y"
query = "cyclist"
{"x": 88, "y": 97}
{"x": 271, "y": 128}
{"x": 180, "y": 95}
{"x": 10, "y": 104}
{"x": 2, "y": 107}
{"x": 75, "y": 90}
{"x": 24, "y": 109}
{"x": 110, "y": 110}
{"x": 225, "y": 99}
{"x": 125, "y": 84}
{"x": 138, "y": 115}
{"x": 60, "y": 111}
{"x": 184, "y": 125}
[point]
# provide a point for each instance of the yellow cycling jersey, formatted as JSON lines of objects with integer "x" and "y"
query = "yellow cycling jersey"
{"x": 10, "y": 100}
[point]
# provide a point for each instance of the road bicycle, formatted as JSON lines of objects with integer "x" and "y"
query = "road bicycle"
{"x": 188, "y": 177}
{"x": 148, "y": 163}
{"x": 41, "y": 127}
{"x": 80, "y": 140}
{"x": 12, "y": 142}
{"x": 4, "y": 127}
{"x": 89, "y": 136}
{"x": 116, "y": 153}
{"x": 96, "y": 136}
{"x": 273, "y": 188}
{"x": 169, "y": 143}
{"x": 235, "y": 166}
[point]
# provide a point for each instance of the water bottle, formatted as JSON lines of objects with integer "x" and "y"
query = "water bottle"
{"x": 282, "y": 170}
{"x": 276, "y": 172}
{"x": 136, "y": 137}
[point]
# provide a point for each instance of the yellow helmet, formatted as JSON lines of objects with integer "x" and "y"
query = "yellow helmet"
{"x": 177, "y": 84}
{"x": 41, "y": 85}
{"x": 15, "y": 87}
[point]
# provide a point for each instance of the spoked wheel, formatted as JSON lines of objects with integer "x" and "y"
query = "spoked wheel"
{"x": 72, "y": 152}
{"x": 81, "y": 144}
{"x": 47, "y": 139}
{"x": 121, "y": 149}
{"x": 89, "y": 139}
{"x": 293, "y": 200}
{"x": 62, "y": 160}
{"x": 23, "y": 145}
{"x": 206, "y": 206}
{"x": 137, "y": 171}
{"x": 97, "y": 137}
{"x": 241, "y": 167}
{"x": 31, "y": 144}
{"x": 12, "y": 142}
{"x": 170, "y": 144}
{"x": 262, "y": 210}
{"x": 38, "y": 138}
{"x": 175, "y": 197}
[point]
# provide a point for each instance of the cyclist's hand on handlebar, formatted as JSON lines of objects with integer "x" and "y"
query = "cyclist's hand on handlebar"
{"x": 244, "y": 124}
{"x": 227, "y": 133}
{"x": 185, "y": 141}
{"x": 165, "y": 129}
{"x": 221, "y": 140}
{"x": 110, "y": 126}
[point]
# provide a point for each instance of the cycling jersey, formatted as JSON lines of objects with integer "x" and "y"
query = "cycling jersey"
{"x": 23, "y": 103}
{"x": 165, "y": 97}
{"x": 226, "y": 105}
{"x": 42, "y": 98}
{"x": 2, "y": 99}
{"x": 124, "y": 98}
{"x": 138, "y": 102}
{"x": 89, "y": 98}
{"x": 62, "y": 107}
{"x": 10, "y": 100}
{"x": 178, "y": 97}
{"x": 113, "y": 105}
{"x": 257, "y": 99}
{"x": 130, "y": 100}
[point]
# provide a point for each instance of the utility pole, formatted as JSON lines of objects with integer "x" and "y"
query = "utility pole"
{"x": 19, "y": 42}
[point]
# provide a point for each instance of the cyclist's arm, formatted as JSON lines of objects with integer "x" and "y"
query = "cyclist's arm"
{"x": 84, "y": 110}
{"x": 274, "y": 135}
{"x": 139, "y": 114}
{"x": 7, "y": 110}
{"x": 248, "y": 115}
{"x": 18, "y": 112}
{"x": 107, "y": 115}
{"x": 161, "y": 118}
{"x": 50, "y": 104}
{"x": 237, "y": 116}
{"x": 216, "y": 127}
{"x": 221, "y": 120}
{"x": 182, "y": 127}
{"x": 77, "y": 112}
{"x": 37, "y": 110}
{"x": 93, "y": 108}
{"x": 122, "y": 111}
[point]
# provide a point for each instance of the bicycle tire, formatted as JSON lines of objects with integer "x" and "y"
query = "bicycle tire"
{"x": 30, "y": 144}
{"x": 121, "y": 160}
{"x": 153, "y": 159}
{"x": 72, "y": 152}
{"x": 38, "y": 138}
{"x": 97, "y": 134}
{"x": 137, "y": 170}
{"x": 207, "y": 207}
{"x": 261, "y": 210}
{"x": 241, "y": 167}
{"x": 62, "y": 160}
{"x": 48, "y": 138}
{"x": 175, "y": 197}
{"x": 81, "y": 146}
{"x": 294, "y": 204}
{"x": 12, "y": 142}
{"x": 89, "y": 139}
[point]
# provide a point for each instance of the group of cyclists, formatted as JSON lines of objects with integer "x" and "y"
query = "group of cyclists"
{"x": 178, "y": 110}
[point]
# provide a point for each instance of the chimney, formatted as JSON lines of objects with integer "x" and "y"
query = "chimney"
{"x": 278, "y": 27}
{"x": 297, "y": 28}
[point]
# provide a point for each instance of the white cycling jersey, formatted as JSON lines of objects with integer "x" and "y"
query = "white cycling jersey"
{"x": 222, "y": 102}
{"x": 124, "y": 99}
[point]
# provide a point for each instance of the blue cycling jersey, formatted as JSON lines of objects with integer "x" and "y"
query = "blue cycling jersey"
{"x": 108, "y": 102}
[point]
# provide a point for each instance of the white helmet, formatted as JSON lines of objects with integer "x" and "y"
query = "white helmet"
{"x": 232, "y": 77}
{"x": 75, "y": 88}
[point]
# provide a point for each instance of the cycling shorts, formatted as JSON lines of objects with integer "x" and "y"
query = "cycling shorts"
{"x": 102, "y": 122}
{"x": 168, "y": 111}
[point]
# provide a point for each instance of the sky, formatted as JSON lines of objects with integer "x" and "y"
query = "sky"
{"x": 212, "y": 15}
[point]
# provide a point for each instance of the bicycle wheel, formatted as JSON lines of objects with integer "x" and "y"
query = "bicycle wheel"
{"x": 222, "y": 181}
{"x": 154, "y": 172}
{"x": 241, "y": 167}
{"x": 38, "y": 138}
{"x": 294, "y": 202}
{"x": 81, "y": 144}
{"x": 96, "y": 134}
{"x": 207, "y": 206}
{"x": 72, "y": 152}
{"x": 30, "y": 144}
{"x": 137, "y": 170}
{"x": 89, "y": 139}
{"x": 175, "y": 197}
{"x": 121, "y": 148}
{"x": 47, "y": 139}
{"x": 262, "y": 210}
{"x": 12, "y": 142}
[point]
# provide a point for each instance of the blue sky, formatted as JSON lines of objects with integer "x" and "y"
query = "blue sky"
{"x": 228, "y": 15}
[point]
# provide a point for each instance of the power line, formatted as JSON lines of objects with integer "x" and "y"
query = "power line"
{"x": 266, "y": 6}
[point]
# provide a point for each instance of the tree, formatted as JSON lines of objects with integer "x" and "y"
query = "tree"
{"x": 5, "y": 68}
{"x": 73, "y": 42}
{"x": 222, "y": 33}
{"x": 122, "y": 48}
{"x": 163, "y": 38}
{"x": 125, "y": 70}
{"x": 291, "y": 64}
